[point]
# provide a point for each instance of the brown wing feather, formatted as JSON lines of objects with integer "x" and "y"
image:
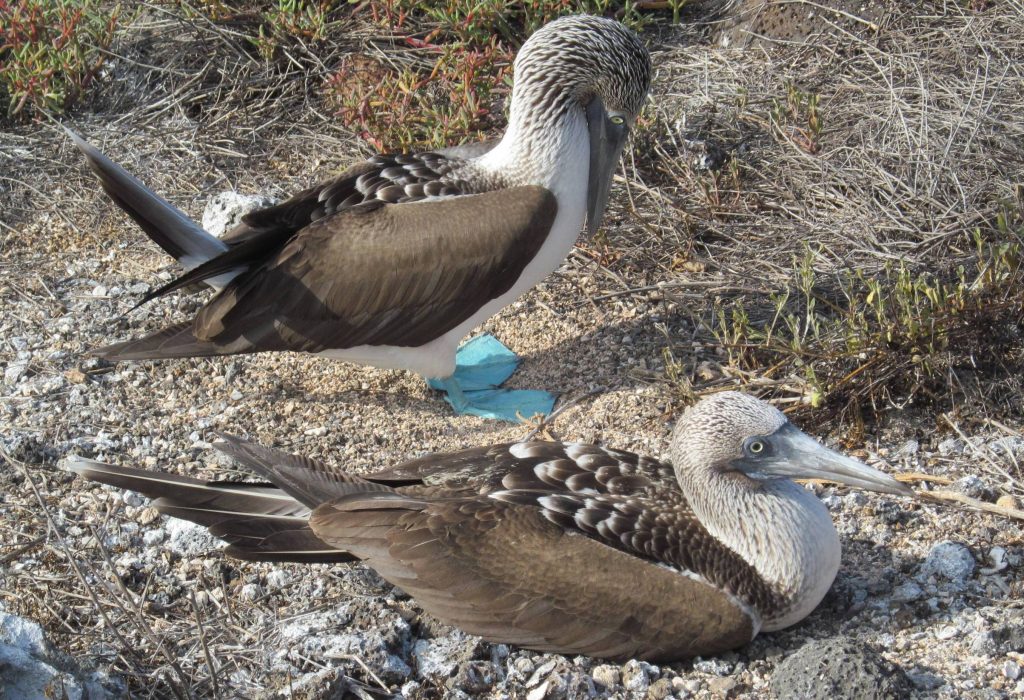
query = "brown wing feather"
{"x": 557, "y": 591}
{"x": 388, "y": 275}
{"x": 537, "y": 465}
{"x": 376, "y": 277}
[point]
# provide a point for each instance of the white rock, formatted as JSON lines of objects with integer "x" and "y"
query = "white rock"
{"x": 634, "y": 677}
{"x": 951, "y": 561}
{"x": 190, "y": 540}
{"x": 28, "y": 668}
{"x": 437, "y": 657}
{"x": 906, "y": 592}
{"x": 539, "y": 692}
{"x": 1011, "y": 670}
{"x": 278, "y": 578}
{"x": 154, "y": 537}
{"x": 130, "y": 498}
{"x": 250, "y": 591}
{"x": 951, "y": 446}
{"x": 225, "y": 210}
{"x": 15, "y": 371}
{"x": 606, "y": 675}
{"x": 996, "y": 555}
{"x": 909, "y": 448}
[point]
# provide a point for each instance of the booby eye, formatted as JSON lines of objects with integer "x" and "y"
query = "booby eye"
{"x": 617, "y": 120}
{"x": 756, "y": 447}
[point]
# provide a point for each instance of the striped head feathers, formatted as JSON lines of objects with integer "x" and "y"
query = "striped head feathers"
{"x": 573, "y": 59}
{"x": 722, "y": 428}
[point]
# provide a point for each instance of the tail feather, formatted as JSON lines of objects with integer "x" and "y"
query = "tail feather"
{"x": 306, "y": 480}
{"x": 172, "y": 342}
{"x": 364, "y": 522}
{"x": 167, "y": 225}
{"x": 259, "y": 521}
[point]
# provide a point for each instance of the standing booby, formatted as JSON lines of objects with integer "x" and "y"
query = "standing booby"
{"x": 559, "y": 547}
{"x": 393, "y": 262}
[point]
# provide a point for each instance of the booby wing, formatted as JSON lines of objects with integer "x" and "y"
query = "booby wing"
{"x": 506, "y": 573}
{"x": 369, "y": 274}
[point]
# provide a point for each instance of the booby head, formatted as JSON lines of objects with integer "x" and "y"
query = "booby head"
{"x": 577, "y": 66}
{"x": 735, "y": 456}
{"x": 740, "y": 436}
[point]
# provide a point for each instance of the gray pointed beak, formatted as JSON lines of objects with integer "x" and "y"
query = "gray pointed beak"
{"x": 606, "y": 142}
{"x": 799, "y": 456}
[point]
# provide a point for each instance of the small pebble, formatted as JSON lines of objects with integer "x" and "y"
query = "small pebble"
{"x": 606, "y": 675}
{"x": 983, "y": 644}
{"x": 950, "y": 446}
{"x": 971, "y": 486}
{"x": 907, "y": 592}
{"x": 539, "y": 692}
{"x": 1011, "y": 670}
{"x": 634, "y": 677}
{"x": 690, "y": 686}
{"x": 951, "y": 561}
{"x": 718, "y": 667}
{"x": 721, "y": 687}
{"x": 660, "y": 689}
{"x": 1007, "y": 501}
{"x": 250, "y": 591}
{"x": 278, "y": 578}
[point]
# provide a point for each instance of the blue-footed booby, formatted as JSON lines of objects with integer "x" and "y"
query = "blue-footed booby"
{"x": 392, "y": 263}
{"x": 559, "y": 547}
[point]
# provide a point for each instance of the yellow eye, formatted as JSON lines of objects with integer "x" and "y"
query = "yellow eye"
{"x": 617, "y": 120}
{"x": 756, "y": 447}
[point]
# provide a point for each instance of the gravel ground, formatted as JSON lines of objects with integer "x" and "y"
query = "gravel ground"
{"x": 927, "y": 602}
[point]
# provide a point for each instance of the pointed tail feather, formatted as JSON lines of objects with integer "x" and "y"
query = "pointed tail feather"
{"x": 167, "y": 225}
{"x": 364, "y": 522}
{"x": 306, "y": 480}
{"x": 172, "y": 342}
{"x": 259, "y": 521}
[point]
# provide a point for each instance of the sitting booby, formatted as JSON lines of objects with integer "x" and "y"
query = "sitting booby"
{"x": 393, "y": 262}
{"x": 559, "y": 547}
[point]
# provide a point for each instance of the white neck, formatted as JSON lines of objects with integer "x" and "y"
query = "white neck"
{"x": 778, "y": 527}
{"x": 535, "y": 152}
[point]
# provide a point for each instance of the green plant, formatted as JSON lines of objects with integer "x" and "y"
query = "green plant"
{"x": 798, "y": 118}
{"x": 50, "y": 50}
{"x": 898, "y": 331}
{"x": 456, "y": 95}
{"x": 290, "y": 20}
{"x": 407, "y": 109}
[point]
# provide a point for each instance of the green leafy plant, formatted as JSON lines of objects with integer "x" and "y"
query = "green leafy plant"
{"x": 798, "y": 118}
{"x": 456, "y": 96}
{"x": 289, "y": 20}
{"x": 50, "y": 50}
{"x": 900, "y": 330}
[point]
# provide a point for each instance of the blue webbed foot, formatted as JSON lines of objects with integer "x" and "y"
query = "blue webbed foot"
{"x": 481, "y": 365}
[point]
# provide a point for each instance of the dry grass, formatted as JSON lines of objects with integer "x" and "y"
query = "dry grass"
{"x": 891, "y": 154}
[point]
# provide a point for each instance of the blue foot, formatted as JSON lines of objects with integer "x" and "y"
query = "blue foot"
{"x": 481, "y": 365}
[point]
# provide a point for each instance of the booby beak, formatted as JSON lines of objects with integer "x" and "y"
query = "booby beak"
{"x": 796, "y": 455}
{"x": 606, "y": 141}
